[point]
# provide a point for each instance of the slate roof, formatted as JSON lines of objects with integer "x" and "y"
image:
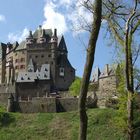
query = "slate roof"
{"x": 36, "y": 34}
{"x": 21, "y": 46}
{"x": 61, "y": 44}
{"x": 63, "y": 61}
{"x": 108, "y": 71}
{"x": 96, "y": 74}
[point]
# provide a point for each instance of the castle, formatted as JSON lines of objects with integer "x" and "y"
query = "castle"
{"x": 36, "y": 67}
{"x": 34, "y": 71}
{"x": 105, "y": 84}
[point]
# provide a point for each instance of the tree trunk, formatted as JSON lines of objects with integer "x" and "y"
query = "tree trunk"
{"x": 129, "y": 81}
{"x": 130, "y": 90}
{"x": 88, "y": 67}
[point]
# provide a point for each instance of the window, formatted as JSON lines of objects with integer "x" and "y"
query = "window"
{"x": 42, "y": 55}
{"x": 61, "y": 71}
{"x": 16, "y": 67}
{"x": 36, "y": 56}
{"x": 22, "y": 59}
{"x": 22, "y": 66}
{"x": 49, "y": 55}
{"x": 17, "y": 60}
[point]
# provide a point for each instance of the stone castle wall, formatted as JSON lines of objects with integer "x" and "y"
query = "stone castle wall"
{"x": 7, "y": 88}
{"x": 106, "y": 90}
{"x": 25, "y": 90}
{"x": 49, "y": 104}
{"x": 5, "y": 91}
{"x": 37, "y": 105}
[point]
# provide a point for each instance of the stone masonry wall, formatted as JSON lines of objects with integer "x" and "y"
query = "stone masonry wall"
{"x": 106, "y": 90}
{"x": 7, "y": 88}
{"x": 39, "y": 104}
{"x": 5, "y": 91}
{"x": 66, "y": 104}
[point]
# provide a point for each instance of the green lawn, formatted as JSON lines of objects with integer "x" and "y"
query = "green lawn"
{"x": 59, "y": 126}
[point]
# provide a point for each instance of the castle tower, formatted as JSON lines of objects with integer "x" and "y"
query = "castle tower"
{"x": 53, "y": 42}
{"x": 2, "y": 62}
{"x": 10, "y": 106}
{"x": 42, "y": 38}
{"x": 30, "y": 39}
{"x": 54, "y": 48}
{"x": 9, "y": 63}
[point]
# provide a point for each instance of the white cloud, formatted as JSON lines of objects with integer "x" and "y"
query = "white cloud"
{"x": 19, "y": 36}
{"x": 65, "y": 15}
{"x": 2, "y": 18}
{"x": 54, "y": 19}
{"x": 80, "y": 18}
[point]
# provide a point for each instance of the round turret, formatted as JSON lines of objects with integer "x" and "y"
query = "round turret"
{"x": 42, "y": 38}
{"x": 54, "y": 37}
{"x": 30, "y": 39}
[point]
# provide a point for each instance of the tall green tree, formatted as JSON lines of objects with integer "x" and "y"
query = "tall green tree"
{"x": 123, "y": 20}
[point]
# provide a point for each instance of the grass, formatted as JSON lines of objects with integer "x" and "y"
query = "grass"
{"x": 59, "y": 126}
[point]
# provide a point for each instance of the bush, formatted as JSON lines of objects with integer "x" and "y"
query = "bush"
{"x": 6, "y": 118}
{"x": 75, "y": 87}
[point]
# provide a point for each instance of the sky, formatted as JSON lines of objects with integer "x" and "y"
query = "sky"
{"x": 17, "y": 17}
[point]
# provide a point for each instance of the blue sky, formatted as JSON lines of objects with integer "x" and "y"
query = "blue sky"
{"x": 17, "y": 17}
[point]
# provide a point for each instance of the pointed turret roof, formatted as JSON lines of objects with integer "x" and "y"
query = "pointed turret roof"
{"x": 30, "y": 66}
{"x": 62, "y": 45}
{"x": 96, "y": 74}
{"x": 30, "y": 35}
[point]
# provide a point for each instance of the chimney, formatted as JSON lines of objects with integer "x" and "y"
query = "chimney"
{"x": 107, "y": 69}
{"x": 55, "y": 32}
{"x": 40, "y": 27}
{"x": 30, "y": 34}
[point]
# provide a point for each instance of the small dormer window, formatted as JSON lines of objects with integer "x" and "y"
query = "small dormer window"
{"x": 61, "y": 71}
{"x": 30, "y": 70}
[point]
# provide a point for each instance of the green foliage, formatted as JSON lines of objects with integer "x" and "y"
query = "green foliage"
{"x": 6, "y": 118}
{"x": 121, "y": 118}
{"x": 75, "y": 87}
{"x": 2, "y": 108}
{"x": 64, "y": 126}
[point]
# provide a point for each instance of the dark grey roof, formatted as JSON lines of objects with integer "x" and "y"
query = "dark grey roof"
{"x": 96, "y": 74}
{"x": 63, "y": 61}
{"x": 38, "y": 33}
{"x": 62, "y": 45}
{"x": 21, "y": 46}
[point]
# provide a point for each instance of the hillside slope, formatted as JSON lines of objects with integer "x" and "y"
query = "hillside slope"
{"x": 59, "y": 126}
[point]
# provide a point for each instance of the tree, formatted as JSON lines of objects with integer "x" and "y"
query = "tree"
{"x": 75, "y": 87}
{"x": 97, "y": 8}
{"x": 124, "y": 22}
